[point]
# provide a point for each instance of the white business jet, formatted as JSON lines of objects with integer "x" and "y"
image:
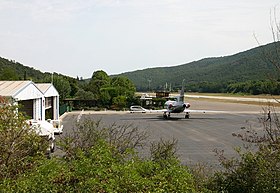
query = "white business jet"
{"x": 176, "y": 106}
{"x": 172, "y": 106}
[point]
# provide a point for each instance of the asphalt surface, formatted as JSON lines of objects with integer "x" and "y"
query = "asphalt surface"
{"x": 197, "y": 137}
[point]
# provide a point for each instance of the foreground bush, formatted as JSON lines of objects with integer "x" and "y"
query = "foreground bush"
{"x": 103, "y": 159}
{"x": 99, "y": 158}
{"x": 254, "y": 171}
{"x": 20, "y": 147}
{"x": 99, "y": 170}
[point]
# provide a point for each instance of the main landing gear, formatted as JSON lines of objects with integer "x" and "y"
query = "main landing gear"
{"x": 165, "y": 116}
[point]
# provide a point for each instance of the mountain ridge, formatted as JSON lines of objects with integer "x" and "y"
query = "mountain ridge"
{"x": 250, "y": 65}
{"x": 247, "y": 65}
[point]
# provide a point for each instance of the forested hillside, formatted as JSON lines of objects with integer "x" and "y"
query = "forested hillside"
{"x": 11, "y": 70}
{"x": 252, "y": 71}
{"x": 212, "y": 74}
{"x": 100, "y": 90}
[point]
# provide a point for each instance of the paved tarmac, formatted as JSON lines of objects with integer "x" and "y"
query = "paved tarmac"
{"x": 197, "y": 137}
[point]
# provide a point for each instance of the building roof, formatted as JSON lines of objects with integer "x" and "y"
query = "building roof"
{"x": 11, "y": 88}
{"x": 43, "y": 86}
{"x": 24, "y": 90}
{"x": 47, "y": 89}
{"x": 20, "y": 90}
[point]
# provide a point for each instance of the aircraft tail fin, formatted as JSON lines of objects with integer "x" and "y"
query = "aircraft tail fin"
{"x": 182, "y": 92}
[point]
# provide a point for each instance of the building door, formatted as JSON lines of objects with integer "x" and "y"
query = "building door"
{"x": 26, "y": 107}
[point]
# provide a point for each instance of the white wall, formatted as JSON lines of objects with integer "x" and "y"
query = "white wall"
{"x": 29, "y": 92}
{"x": 37, "y": 109}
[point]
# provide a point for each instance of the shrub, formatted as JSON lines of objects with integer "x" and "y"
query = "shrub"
{"x": 254, "y": 171}
{"x": 20, "y": 147}
{"x": 102, "y": 159}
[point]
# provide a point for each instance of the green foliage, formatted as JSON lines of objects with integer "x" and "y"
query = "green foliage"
{"x": 119, "y": 102}
{"x": 212, "y": 74}
{"x": 114, "y": 92}
{"x": 101, "y": 171}
{"x": 255, "y": 87}
{"x": 11, "y": 70}
{"x": 106, "y": 95}
{"x": 208, "y": 87}
{"x": 242, "y": 72}
{"x": 123, "y": 86}
{"x": 247, "y": 72}
{"x": 8, "y": 74}
{"x": 98, "y": 80}
{"x": 73, "y": 85}
{"x": 61, "y": 84}
{"x": 20, "y": 147}
{"x": 48, "y": 176}
{"x": 164, "y": 150}
{"x": 103, "y": 159}
{"x": 84, "y": 95}
{"x": 253, "y": 171}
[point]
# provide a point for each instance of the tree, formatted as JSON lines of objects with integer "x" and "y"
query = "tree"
{"x": 119, "y": 102}
{"x": 106, "y": 96}
{"x": 116, "y": 91}
{"x": 98, "y": 80}
{"x": 61, "y": 84}
{"x": 123, "y": 91}
{"x": 8, "y": 74}
{"x": 84, "y": 95}
{"x": 73, "y": 85}
{"x": 124, "y": 86}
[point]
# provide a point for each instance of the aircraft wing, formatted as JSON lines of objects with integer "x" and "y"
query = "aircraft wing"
{"x": 135, "y": 109}
{"x": 201, "y": 111}
{"x": 185, "y": 111}
{"x": 159, "y": 111}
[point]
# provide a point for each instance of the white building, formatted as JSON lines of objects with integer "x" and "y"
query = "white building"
{"x": 51, "y": 102}
{"x": 32, "y": 98}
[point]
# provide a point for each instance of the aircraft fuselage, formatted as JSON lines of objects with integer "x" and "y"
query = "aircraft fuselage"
{"x": 174, "y": 106}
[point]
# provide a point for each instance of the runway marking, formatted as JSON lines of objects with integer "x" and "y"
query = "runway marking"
{"x": 80, "y": 116}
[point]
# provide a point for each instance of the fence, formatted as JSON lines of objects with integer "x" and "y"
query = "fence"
{"x": 62, "y": 109}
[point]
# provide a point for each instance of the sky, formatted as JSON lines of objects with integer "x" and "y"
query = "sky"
{"x": 78, "y": 37}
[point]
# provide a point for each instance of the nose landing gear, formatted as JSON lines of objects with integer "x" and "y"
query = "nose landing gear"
{"x": 187, "y": 116}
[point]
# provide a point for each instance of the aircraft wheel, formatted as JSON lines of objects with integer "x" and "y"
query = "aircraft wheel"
{"x": 187, "y": 116}
{"x": 165, "y": 116}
